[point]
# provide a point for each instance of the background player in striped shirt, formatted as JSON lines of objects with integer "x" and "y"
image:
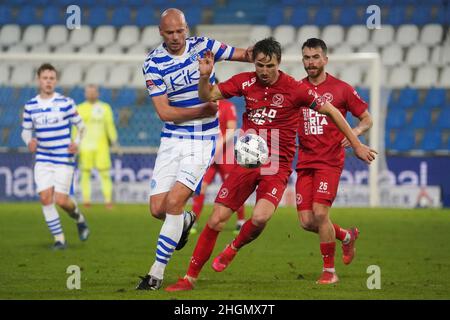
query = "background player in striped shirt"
{"x": 189, "y": 134}
{"x": 273, "y": 99}
{"x": 50, "y": 116}
{"x": 100, "y": 135}
{"x": 223, "y": 159}
{"x": 321, "y": 157}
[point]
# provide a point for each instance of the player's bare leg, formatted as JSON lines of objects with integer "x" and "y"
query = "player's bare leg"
{"x": 157, "y": 205}
{"x": 347, "y": 237}
{"x": 251, "y": 229}
{"x": 327, "y": 243}
{"x": 70, "y": 206}
{"x": 173, "y": 233}
{"x": 204, "y": 247}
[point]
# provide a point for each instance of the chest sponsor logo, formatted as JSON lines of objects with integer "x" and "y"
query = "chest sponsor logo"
{"x": 248, "y": 83}
{"x": 261, "y": 115}
{"x": 313, "y": 122}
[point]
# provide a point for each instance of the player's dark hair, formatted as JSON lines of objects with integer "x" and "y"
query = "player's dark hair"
{"x": 268, "y": 47}
{"x": 315, "y": 43}
{"x": 46, "y": 66}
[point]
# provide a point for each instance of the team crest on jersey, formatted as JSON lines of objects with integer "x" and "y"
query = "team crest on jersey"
{"x": 194, "y": 56}
{"x": 299, "y": 198}
{"x": 223, "y": 193}
{"x": 277, "y": 99}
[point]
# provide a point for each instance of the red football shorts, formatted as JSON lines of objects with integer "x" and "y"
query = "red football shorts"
{"x": 241, "y": 182}
{"x": 316, "y": 185}
{"x": 222, "y": 169}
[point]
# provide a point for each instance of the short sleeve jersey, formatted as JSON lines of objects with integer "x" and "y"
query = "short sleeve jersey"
{"x": 51, "y": 121}
{"x": 271, "y": 111}
{"x": 319, "y": 137}
{"x": 178, "y": 77}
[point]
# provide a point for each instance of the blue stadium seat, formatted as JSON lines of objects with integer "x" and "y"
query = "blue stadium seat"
{"x": 364, "y": 94}
{"x": 275, "y": 16}
{"x": 323, "y": 17}
{"x": 125, "y": 97}
{"x": 106, "y": 95}
{"x": 435, "y": 98}
{"x": 52, "y": 16}
{"x": 97, "y": 16}
{"x": 145, "y": 17}
{"x": 206, "y": 3}
{"x": 77, "y": 94}
{"x": 396, "y": 119}
{"x": 15, "y": 139}
{"x": 349, "y": 16}
{"x": 404, "y": 140}
{"x": 193, "y": 15}
{"x": 299, "y": 16}
{"x": 6, "y": 96}
{"x": 6, "y": 16}
{"x": 421, "y": 119}
{"x": 121, "y": 17}
{"x": 432, "y": 140}
{"x": 26, "y": 16}
{"x": 443, "y": 121}
{"x": 396, "y": 16}
{"x": 421, "y": 15}
{"x": 25, "y": 94}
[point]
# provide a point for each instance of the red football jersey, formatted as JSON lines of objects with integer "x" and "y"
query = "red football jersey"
{"x": 319, "y": 137}
{"x": 226, "y": 112}
{"x": 271, "y": 107}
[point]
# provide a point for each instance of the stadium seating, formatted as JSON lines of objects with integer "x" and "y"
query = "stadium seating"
{"x": 413, "y": 43}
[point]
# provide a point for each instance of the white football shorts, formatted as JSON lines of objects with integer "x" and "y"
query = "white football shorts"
{"x": 47, "y": 175}
{"x": 183, "y": 160}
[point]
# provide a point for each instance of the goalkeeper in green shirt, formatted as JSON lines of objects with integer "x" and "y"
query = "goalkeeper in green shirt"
{"x": 100, "y": 135}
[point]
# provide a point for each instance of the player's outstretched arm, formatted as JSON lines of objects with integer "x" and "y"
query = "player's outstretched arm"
{"x": 169, "y": 113}
{"x": 362, "y": 151}
{"x": 242, "y": 55}
{"x": 365, "y": 123}
{"x": 206, "y": 91}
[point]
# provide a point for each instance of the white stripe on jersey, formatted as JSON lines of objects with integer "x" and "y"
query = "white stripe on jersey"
{"x": 51, "y": 120}
{"x": 177, "y": 76}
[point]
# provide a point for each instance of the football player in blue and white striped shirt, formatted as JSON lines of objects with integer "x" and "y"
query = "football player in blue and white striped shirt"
{"x": 50, "y": 117}
{"x": 189, "y": 133}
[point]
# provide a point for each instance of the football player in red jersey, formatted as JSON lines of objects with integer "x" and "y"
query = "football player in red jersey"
{"x": 272, "y": 100}
{"x": 227, "y": 124}
{"x": 321, "y": 157}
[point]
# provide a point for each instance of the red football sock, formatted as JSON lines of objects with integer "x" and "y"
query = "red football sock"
{"x": 340, "y": 233}
{"x": 241, "y": 213}
{"x": 328, "y": 249}
{"x": 248, "y": 233}
{"x": 202, "y": 251}
{"x": 197, "y": 204}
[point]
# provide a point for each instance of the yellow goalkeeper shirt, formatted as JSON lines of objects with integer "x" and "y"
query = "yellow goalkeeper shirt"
{"x": 100, "y": 130}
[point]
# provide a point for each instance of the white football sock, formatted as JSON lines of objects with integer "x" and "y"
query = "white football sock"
{"x": 169, "y": 236}
{"x": 54, "y": 224}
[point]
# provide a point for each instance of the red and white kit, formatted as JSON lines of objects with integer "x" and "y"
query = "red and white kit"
{"x": 321, "y": 156}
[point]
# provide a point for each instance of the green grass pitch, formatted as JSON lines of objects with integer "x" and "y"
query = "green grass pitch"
{"x": 411, "y": 247}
